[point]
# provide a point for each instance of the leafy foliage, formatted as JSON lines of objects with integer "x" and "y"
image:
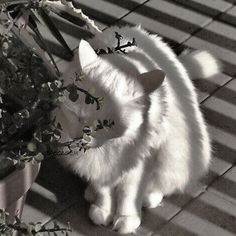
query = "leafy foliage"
{"x": 28, "y": 92}
{"x": 30, "y": 89}
{"x": 30, "y": 229}
{"x": 81, "y": 143}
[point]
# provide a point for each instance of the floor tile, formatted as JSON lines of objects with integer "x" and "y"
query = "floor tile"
{"x": 222, "y": 144}
{"x": 229, "y": 18}
{"x": 219, "y": 38}
{"x": 207, "y": 86}
{"x": 106, "y": 12}
{"x": 167, "y": 19}
{"x": 153, "y": 219}
{"x": 42, "y": 204}
{"x": 225, "y": 186}
{"x": 208, "y": 7}
{"x": 220, "y": 113}
{"x": 77, "y": 215}
{"x": 54, "y": 190}
{"x": 70, "y": 32}
{"x": 206, "y": 216}
{"x": 60, "y": 181}
{"x": 227, "y": 93}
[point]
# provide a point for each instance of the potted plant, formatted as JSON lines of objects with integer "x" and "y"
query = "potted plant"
{"x": 28, "y": 92}
{"x": 30, "y": 88}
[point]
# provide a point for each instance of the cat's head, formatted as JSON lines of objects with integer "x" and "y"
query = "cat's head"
{"x": 124, "y": 96}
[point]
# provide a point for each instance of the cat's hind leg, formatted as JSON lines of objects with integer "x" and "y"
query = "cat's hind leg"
{"x": 152, "y": 199}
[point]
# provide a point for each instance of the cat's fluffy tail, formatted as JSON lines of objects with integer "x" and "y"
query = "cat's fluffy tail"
{"x": 201, "y": 64}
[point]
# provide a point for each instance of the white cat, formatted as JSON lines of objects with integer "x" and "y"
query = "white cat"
{"x": 159, "y": 141}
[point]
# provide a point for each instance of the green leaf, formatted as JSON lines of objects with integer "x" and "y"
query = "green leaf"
{"x": 71, "y": 87}
{"x": 31, "y": 147}
{"x": 73, "y": 96}
{"x": 61, "y": 98}
{"x": 105, "y": 122}
{"x": 38, "y": 135}
{"x": 39, "y": 157}
{"x": 52, "y": 86}
{"x": 37, "y": 227}
{"x": 88, "y": 99}
{"x": 87, "y": 130}
{"x": 24, "y": 113}
{"x": 12, "y": 129}
{"x": 86, "y": 138}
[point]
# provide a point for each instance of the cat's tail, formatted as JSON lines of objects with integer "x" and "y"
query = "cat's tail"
{"x": 201, "y": 64}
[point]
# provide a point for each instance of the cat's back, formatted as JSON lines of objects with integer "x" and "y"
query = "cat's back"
{"x": 180, "y": 97}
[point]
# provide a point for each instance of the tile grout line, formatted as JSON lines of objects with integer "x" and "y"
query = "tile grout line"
{"x": 196, "y": 197}
{"x": 207, "y": 23}
{"x": 216, "y": 90}
{"x": 59, "y": 213}
{"x": 222, "y": 197}
{"x": 126, "y": 14}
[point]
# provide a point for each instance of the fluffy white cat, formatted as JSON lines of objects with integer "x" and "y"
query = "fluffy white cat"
{"x": 159, "y": 141}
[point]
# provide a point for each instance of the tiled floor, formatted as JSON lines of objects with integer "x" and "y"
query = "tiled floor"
{"x": 209, "y": 208}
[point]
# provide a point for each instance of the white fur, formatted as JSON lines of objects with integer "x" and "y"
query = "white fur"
{"x": 159, "y": 143}
{"x": 201, "y": 64}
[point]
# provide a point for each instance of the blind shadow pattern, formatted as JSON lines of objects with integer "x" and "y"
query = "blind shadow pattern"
{"x": 66, "y": 187}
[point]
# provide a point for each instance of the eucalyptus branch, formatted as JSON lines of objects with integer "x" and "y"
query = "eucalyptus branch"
{"x": 81, "y": 143}
{"x": 17, "y": 101}
{"x": 119, "y": 47}
{"x": 96, "y": 99}
{"x": 54, "y": 230}
{"x": 90, "y": 99}
{"x": 36, "y": 118}
{"x": 128, "y": 44}
{"x": 23, "y": 230}
{"x": 27, "y": 39}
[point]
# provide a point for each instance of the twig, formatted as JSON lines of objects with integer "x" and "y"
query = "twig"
{"x": 25, "y": 231}
{"x": 96, "y": 99}
{"x": 119, "y": 47}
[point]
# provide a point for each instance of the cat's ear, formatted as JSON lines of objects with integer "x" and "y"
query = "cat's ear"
{"x": 86, "y": 54}
{"x": 151, "y": 80}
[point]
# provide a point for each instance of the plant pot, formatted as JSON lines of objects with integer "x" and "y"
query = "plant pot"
{"x": 13, "y": 189}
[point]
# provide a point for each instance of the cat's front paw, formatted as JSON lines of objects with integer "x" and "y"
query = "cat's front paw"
{"x": 100, "y": 216}
{"x": 126, "y": 224}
